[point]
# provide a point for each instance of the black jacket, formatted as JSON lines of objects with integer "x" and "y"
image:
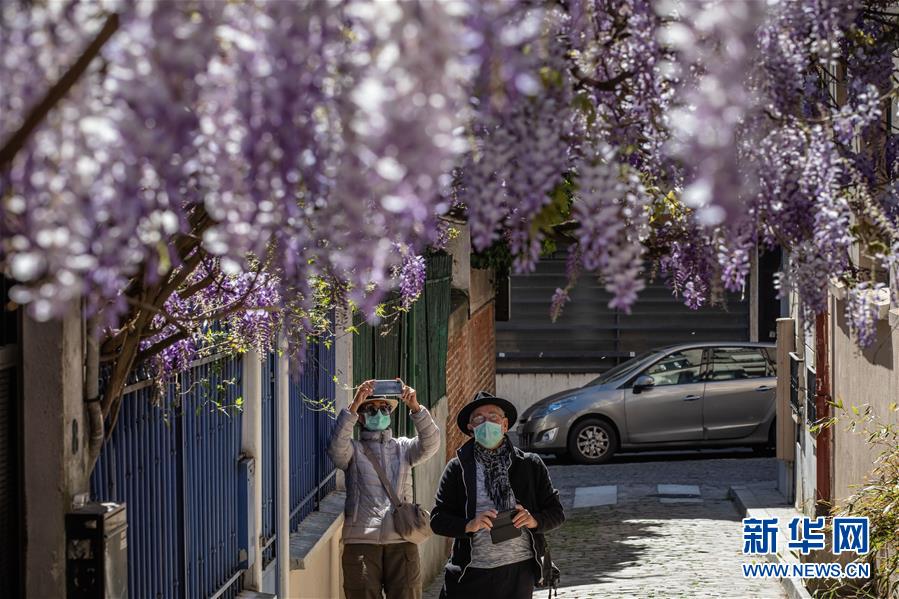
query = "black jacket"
{"x": 456, "y": 505}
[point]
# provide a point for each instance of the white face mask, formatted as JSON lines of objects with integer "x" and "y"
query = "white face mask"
{"x": 488, "y": 434}
{"x": 378, "y": 421}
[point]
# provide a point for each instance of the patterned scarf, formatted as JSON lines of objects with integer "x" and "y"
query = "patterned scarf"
{"x": 496, "y": 463}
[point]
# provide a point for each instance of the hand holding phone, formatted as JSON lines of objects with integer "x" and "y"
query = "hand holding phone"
{"x": 385, "y": 387}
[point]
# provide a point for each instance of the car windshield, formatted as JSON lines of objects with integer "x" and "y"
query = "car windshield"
{"x": 622, "y": 369}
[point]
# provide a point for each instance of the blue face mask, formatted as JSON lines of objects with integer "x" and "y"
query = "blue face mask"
{"x": 488, "y": 434}
{"x": 377, "y": 421}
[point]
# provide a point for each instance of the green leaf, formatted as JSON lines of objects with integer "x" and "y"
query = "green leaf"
{"x": 583, "y": 103}
{"x": 551, "y": 77}
{"x": 878, "y": 247}
{"x": 165, "y": 261}
{"x": 548, "y": 247}
{"x": 557, "y": 210}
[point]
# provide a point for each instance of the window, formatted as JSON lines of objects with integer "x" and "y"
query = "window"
{"x": 678, "y": 368}
{"x": 735, "y": 363}
{"x": 620, "y": 371}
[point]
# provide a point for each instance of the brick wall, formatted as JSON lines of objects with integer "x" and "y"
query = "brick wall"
{"x": 470, "y": 367}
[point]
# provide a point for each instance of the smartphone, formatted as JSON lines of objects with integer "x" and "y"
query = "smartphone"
{"x": 503, "y": 529}
{"x": 387, "y": 387}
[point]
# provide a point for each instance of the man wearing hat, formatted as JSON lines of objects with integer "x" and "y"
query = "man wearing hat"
{"x": 487, "y": 478}
{"x": 375, "y": 556}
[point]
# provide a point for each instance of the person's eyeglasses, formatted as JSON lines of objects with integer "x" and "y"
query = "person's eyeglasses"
{"x": 480, "y": 419}
{"x": 372, "y": 410}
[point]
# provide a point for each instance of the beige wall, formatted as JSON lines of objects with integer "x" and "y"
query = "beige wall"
{"x": 482, "y": 289}
{"x": 460, "y": 249}
{"x": 869, "y": 377}
{"x": 524, "y": 390}
{"x": 434, "y": 551}
{"x": 321, "y": 576}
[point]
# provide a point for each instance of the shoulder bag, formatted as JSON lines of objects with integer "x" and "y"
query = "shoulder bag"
{"x": 550, "y": 574}
{"x": 410, "y": 521}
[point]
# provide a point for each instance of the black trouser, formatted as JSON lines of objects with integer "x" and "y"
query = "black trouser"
{"x": 367, "y": 568}
{"x": 515, "y": 581}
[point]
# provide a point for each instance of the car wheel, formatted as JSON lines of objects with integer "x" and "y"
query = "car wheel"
{"x": 592, "y": 441}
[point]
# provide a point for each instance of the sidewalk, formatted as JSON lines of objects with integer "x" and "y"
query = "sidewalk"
{"x": 762, "y": 502}
{"x": 660, "y": 530}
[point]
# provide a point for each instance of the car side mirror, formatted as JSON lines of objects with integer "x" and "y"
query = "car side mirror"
{"x": 643, "y": 382}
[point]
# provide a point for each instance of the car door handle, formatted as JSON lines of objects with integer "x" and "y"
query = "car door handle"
{"x": 764, "y": 388}
{"x": 691, "y": 397}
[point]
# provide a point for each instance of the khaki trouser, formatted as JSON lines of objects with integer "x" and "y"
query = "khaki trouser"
{"x": 367, "y": 568}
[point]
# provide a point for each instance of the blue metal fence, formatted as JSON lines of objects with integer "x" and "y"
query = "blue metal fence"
{"x": 312, "y": 474}
{"x": 175, "y": 465}
{"x": 141, "y": 464}
{"x": 212, "y": 449}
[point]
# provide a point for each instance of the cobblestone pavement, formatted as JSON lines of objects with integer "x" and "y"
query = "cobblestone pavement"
{"x": 650, "y": 539}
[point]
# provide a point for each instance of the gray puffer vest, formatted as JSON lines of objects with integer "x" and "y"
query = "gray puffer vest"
{"x": 368, "y": 510}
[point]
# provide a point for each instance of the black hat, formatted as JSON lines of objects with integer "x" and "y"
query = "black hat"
{"x": 485, "y": 399}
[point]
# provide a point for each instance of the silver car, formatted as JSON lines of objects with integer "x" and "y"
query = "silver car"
{"x": 699, "y": 394}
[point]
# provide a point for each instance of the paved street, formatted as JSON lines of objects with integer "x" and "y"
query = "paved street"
{"x": 655, "y": 526}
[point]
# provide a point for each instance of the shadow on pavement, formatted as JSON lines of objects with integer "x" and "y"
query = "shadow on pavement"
{"x": 585, "y": 559}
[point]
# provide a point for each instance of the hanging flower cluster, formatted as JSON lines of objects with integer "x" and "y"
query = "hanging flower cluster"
{"x": 308, "y": 136}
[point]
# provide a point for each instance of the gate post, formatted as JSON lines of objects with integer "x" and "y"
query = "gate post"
{"x": 786, "y": 426}
{"x": 251, "y": 446}
{"x": 282, "y": 409}
{"x": 54, "y": 443}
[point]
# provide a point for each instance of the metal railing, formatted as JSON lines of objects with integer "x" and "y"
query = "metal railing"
{"x": 175, "y": 466}
{"x": 795, "y": 367}
{"x": 312, "y": 392}
{"x": 811, "y": 410}
{"x": 174, "y": 462}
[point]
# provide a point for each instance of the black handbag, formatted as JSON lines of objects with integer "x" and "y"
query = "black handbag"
{"x": 550, "y": 573}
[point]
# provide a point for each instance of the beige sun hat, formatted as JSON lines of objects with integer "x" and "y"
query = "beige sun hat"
{"x": 391, "y": 401}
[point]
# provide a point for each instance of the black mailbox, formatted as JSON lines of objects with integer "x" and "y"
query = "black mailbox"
{"x": 97, "y": 552}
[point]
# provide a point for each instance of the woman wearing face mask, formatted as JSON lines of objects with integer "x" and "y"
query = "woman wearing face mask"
{"x": 375, "y": 557}
{"x": 487, "y": 478}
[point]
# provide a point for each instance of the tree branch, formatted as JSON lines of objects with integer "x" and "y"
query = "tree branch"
{"x": 235, "y": 305}
{"x": 190, "y": 290}
{"x": 56, "y": 93}
{"x": 159, "y": 311}
{"x": 606, "y": 85}
{"x": 160, "y": 346}
{"x": 177, "y": 278}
